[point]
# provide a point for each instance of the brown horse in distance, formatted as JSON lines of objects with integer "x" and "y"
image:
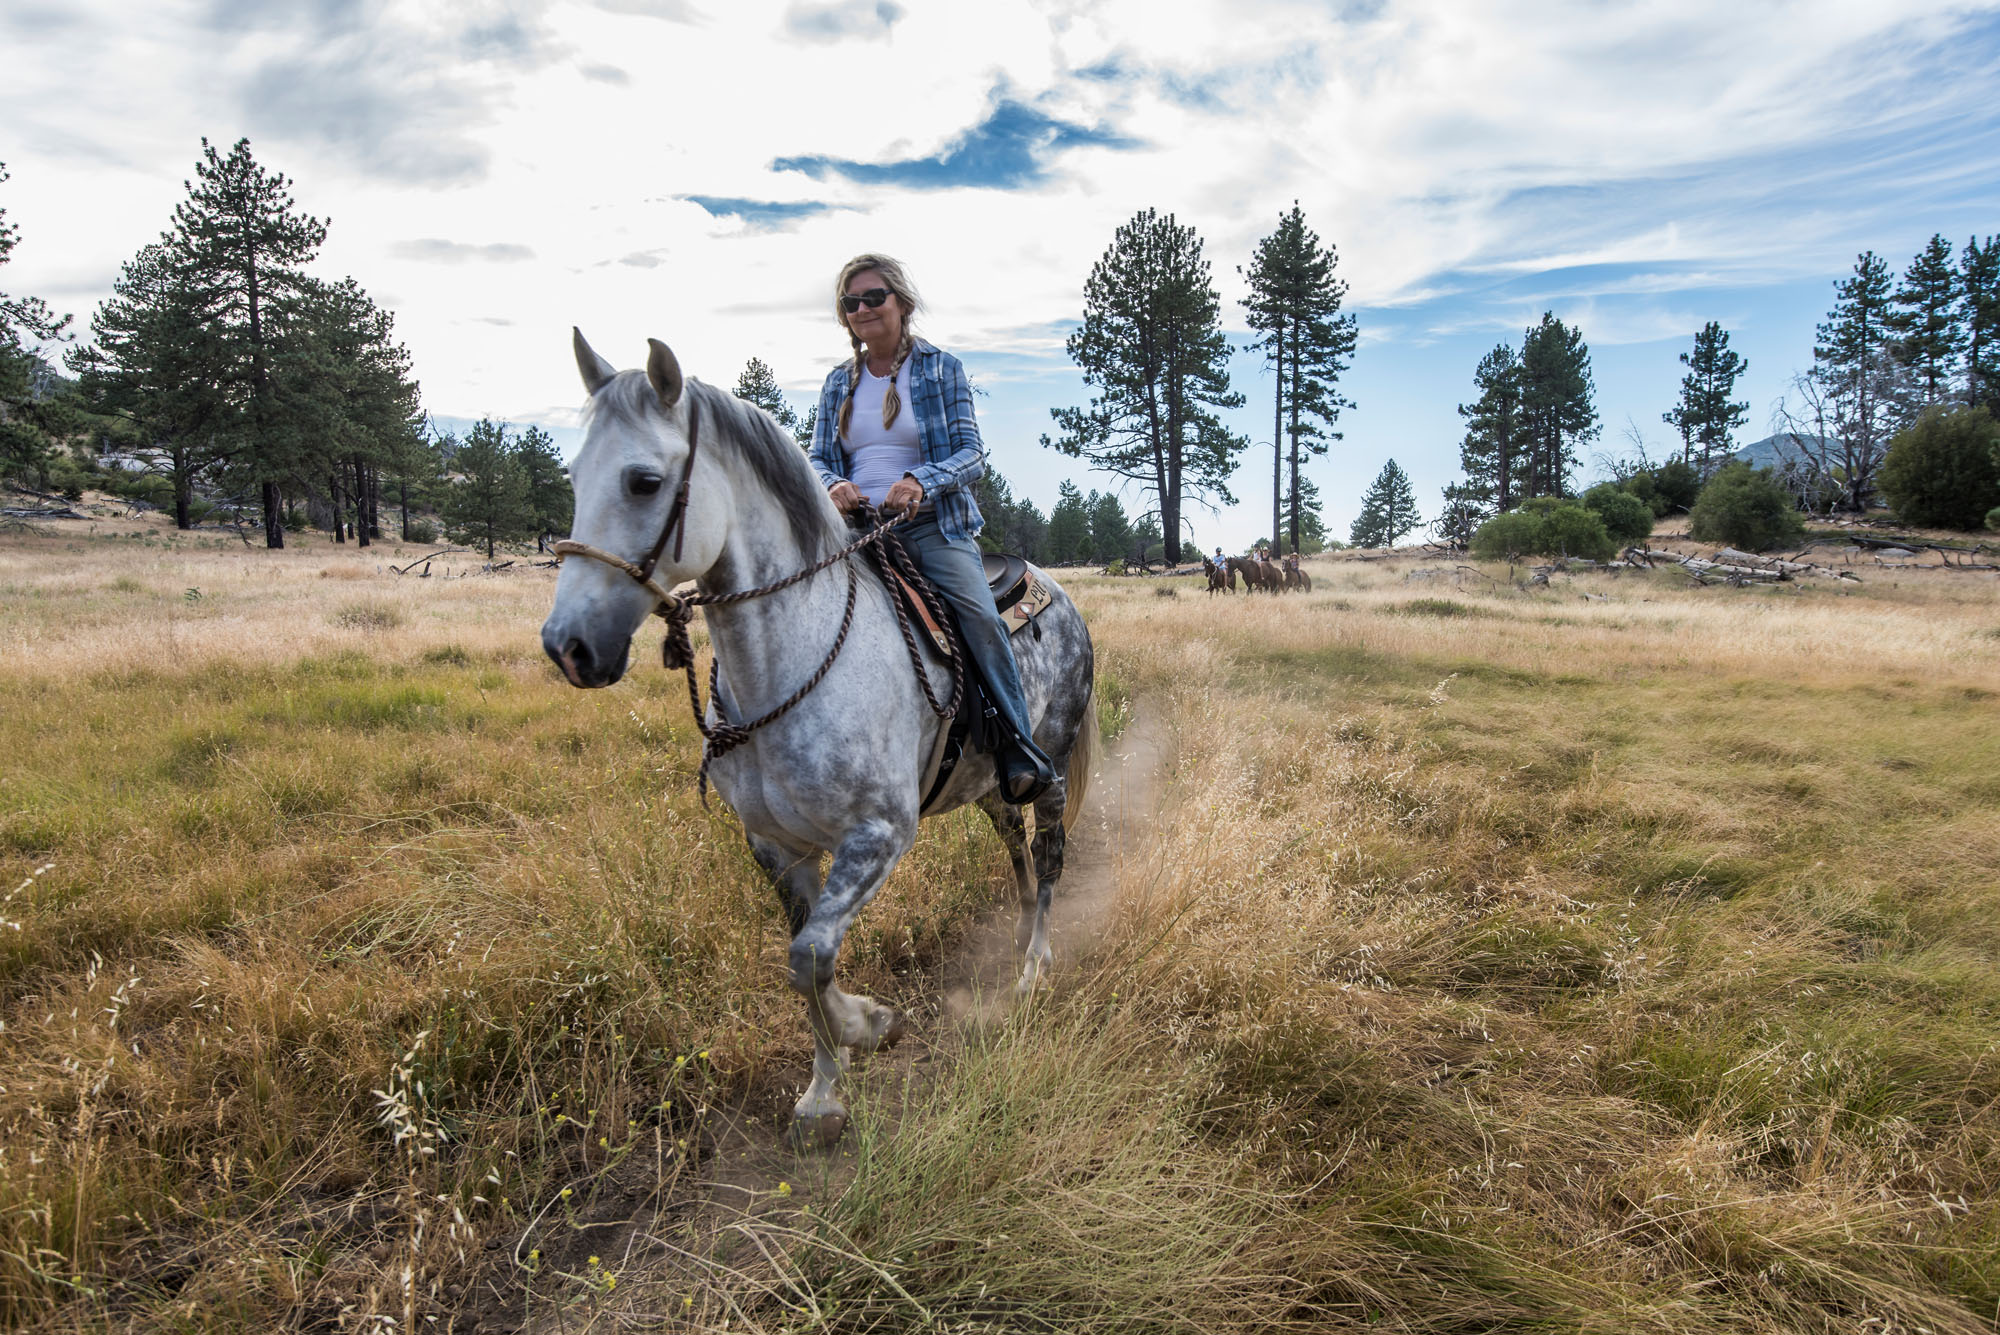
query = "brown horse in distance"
{"x": 1220, "y": 580}
{"x": 1257, "y": 575}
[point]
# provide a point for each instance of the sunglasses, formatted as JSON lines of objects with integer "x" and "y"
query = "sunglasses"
{"x": 872, "y": 298}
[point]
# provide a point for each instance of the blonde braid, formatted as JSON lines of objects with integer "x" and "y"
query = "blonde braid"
{"x": 892, "y": 403}
{"x": 853, "y": 383}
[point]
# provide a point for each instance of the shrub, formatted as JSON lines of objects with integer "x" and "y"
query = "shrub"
{"x": 1667, "y": 489}
{"x": 1626, "y": 517}
{"x": 1575, "y": 530}
{"x": 1544, "y": 526}
{"x": 1941, "y": 472}
{"x": 67, "y": 477}
{"x": 1745, "y": 507}
{"x": 1993, "y": 519}
{"x": 1504, "y": 537}
{"x": 150, "y": 488}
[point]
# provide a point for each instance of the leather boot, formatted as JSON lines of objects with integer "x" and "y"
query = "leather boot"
{"x": 1025, "y": 770}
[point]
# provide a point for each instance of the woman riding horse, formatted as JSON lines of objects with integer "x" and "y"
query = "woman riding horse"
{"x": 867, "y": 449}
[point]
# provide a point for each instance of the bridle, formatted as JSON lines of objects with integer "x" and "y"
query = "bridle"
{"x": 664, "y": 603}
{"x": 677, "y": 610}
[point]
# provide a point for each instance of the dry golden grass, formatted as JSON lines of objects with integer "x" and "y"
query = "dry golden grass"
{"x": 1498, "y": 959}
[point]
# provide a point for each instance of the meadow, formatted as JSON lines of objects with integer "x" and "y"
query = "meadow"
{"x": 1610, "y": 956}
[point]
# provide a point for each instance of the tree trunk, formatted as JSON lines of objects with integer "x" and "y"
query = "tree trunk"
{"x": 274, "y": 518}
{"x": 1277, "y": 431}
{"x": 334, "y": 499}
{"x": 183, "y": 492}
{"x": 361, "y": 524}
{"x": 1294, "y": 396}
{"x": 403, "y": 495}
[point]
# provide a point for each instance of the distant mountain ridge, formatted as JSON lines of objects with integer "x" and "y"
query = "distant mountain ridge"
{"x": 1774, "y": 450}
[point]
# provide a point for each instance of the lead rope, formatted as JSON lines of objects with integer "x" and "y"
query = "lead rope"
{"x": 677, "y": 649}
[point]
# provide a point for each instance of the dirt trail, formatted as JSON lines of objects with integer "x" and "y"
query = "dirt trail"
{"x": 1124, "y": 799}
{"x": 669, "y": 1231}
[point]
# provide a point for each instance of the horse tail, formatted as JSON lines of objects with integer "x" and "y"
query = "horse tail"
{"x": 1082, "y": 761}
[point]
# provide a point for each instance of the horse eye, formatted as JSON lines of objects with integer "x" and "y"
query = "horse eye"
{"x": 643, "y": 483}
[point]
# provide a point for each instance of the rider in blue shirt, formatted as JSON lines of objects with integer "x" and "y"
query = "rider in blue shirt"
{"x": 866, "y": 448}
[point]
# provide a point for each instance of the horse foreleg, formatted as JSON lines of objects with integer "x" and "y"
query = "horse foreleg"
{"x": 795, "y": 877}
{"x": 840, "y": 1020}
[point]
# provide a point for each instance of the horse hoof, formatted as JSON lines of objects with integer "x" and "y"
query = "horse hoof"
{"x": 898, "y": 1027}
{"x": 818, "y": 1131}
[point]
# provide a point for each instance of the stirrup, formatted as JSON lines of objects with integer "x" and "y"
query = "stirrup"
{"x": 1025, "y": 773}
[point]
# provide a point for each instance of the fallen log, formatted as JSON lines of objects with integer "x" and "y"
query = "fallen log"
{"x": 423, "y": 560}
{"x": 1737, "y": 566}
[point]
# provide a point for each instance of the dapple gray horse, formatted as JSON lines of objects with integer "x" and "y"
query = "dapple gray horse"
{"x": 841, "y": 773}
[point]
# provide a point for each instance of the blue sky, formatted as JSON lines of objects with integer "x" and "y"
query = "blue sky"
{"x": 697, "y": 171}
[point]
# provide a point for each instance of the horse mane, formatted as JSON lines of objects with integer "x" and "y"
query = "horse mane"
{"x": 750, "y": 434}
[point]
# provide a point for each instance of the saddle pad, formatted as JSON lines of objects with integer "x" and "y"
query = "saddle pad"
{"x": 1038, "y": 593}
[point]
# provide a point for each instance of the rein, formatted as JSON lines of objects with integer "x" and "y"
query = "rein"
{"x": 677, "y": 610}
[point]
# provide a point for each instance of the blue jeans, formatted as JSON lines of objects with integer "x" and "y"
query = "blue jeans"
{"x": 955, "y": 568}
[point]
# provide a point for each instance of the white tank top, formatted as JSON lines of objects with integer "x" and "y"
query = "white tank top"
{"x": 877, "y": 456}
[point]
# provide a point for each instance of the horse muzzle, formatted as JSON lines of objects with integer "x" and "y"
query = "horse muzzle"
{"x": 583, "y": 662}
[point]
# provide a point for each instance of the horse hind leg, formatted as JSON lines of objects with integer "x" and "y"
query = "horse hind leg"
{"x": 1013, "y": 832}
{"x": 1051, "y": 840}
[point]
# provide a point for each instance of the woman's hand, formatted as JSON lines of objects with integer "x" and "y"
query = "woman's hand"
{"x": 906, "y": 494}
{"x": 846, "y": 497}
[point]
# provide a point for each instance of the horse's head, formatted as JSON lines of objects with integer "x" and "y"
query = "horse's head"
{"x": 626, "y": 477}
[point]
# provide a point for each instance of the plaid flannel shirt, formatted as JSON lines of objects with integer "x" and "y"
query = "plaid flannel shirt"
{"x": 953, "y": 455}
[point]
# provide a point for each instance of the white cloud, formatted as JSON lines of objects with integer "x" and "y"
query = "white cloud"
{"x": 1444, "y": 147}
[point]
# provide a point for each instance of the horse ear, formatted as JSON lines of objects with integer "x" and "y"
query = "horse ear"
{"x": 595, "y": 369}
{"x": 663, "y": 372}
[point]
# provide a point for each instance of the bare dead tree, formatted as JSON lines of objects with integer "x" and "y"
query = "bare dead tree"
{"x": 1833, "y": 440}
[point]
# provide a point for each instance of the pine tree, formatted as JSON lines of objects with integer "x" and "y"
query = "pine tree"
{"x": 1705, "y": 417}
{"x": 1852, "y": 362}
{"x": 1110, "y": 529}
{"x": 1012, "y": 524}
{"x": 150, "y": 362}
{"x": 803, "y": 432}
{"x": 551, "y": 501}
{"x": 1388, "y": 510}
{"x": 1294, "y": 303}
{"x": 1558, "y": 409}
{"x": 1493, "y": 451}
{"x": 1152, "y": 344}
{"x": 487, "y": 503}
{"x": 1069, "y": 526}
{"x": 1979, "y": 295}
{"x": 244, "y": 244}
{"x": 1925, "y": 319}
{"x": 26, "y": 418}
{"x": 335, "y": 365}
{"x": 415, "y": 468}
{"x": 1302, "y": 503}
{"x": 757, "y": 385}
